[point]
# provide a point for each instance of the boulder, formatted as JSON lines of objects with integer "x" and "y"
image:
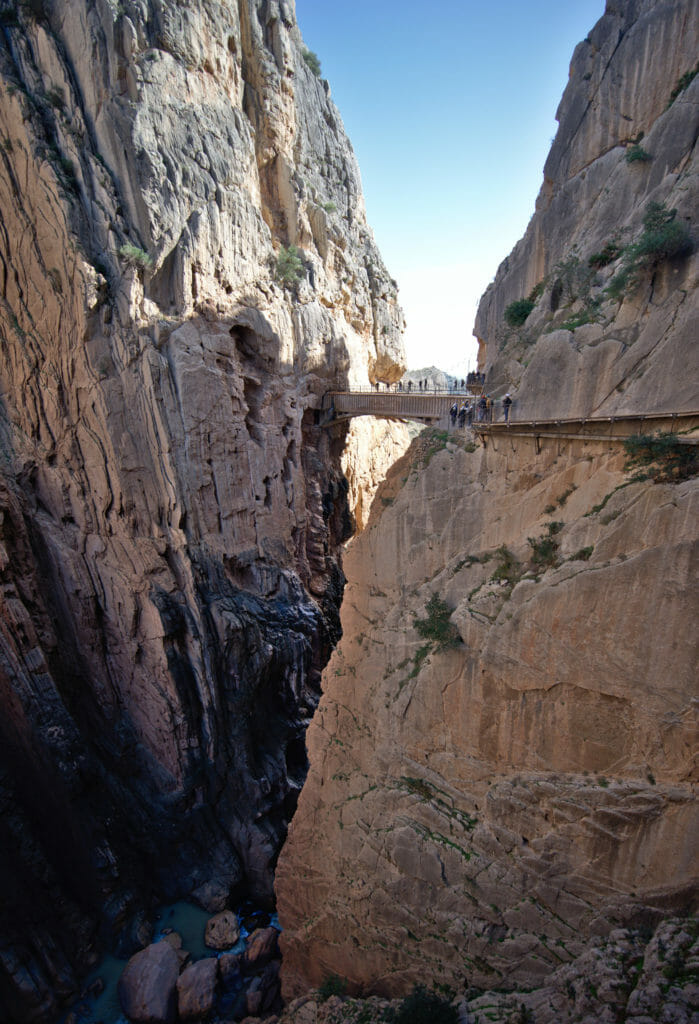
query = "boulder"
{"x": 196, "y": 989}
{"x": 148, "y": 985}
{"x": 229, "y": 964}
{"x": 261, "y": 948}
{"x": 222, "y": 930}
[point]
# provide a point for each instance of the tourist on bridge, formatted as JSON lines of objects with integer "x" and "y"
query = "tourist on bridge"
{"x": 469, "y": 413}
{"x": 482, "y": 407}
{"x": 506, "y": 403}
{"x": 488, "y": 408}
{"x": 452, "y": 413}
{"x": 462, "y": 416}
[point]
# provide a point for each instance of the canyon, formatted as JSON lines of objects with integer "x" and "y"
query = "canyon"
{"x": 172, "y": 514}
{"x": 477, "y": 721}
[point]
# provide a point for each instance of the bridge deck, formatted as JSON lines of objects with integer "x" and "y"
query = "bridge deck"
{"x": 431, "y": 407}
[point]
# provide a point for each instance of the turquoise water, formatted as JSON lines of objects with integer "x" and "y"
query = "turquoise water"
{"x": 185, "y": 918}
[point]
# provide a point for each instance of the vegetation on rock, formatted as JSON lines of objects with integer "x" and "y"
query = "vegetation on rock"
{"x": 312, "y": 61}
{"x": 665, "y": 457}
{"x": 663, "y": 237}
{"x": 135, "y": 256}
{"x": 438, "y": 627}
{"x": 289, "y": 266}
{"x": 518, "y": 311}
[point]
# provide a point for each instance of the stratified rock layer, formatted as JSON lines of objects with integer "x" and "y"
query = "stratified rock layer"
{"x": 171, "y": 514}
{"x": 475, "y": 814}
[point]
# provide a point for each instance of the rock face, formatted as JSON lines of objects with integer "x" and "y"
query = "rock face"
{"x": 501, "y": 762}
{"x": 621, "y": 144}
{"x": 477, "y": 811}
{"x": 171, "y": 514}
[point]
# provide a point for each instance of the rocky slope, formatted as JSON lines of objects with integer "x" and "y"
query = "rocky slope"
{"x": 623, "y": 142}
{"x": 171, "y": 515}
{"x": 502, "y": 770}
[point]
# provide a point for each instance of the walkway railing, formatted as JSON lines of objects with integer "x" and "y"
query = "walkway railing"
{"x": 433, "y": 406}
{"x": 429, "y": 406}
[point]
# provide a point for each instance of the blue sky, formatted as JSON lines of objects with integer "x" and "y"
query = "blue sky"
{"x": 451, "y": 113}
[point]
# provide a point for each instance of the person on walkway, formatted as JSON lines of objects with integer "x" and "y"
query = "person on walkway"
{"x": 410, "y": 385}
{"x": 462, "y": 417}
{"x": 506, "y": 403}
{"x": 452, "y": 413}
{"x": 469, "y": 413}
{"x": 482, "y": 406}
{"x": 488, "y": 408}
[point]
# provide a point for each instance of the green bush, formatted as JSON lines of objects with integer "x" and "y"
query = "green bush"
{"x": 664, "y": 456}
{"x": 583, "y": 555}
{"x": 508, "y": 569}
{"x": 637, "y": 154}
{"x": 611, "y": 252}
{"x": 545, "y": 548}
{"x": 425, "y": 1007}
{"x": 663, "y": 238}
{"x": 135, "y": 257}
{"x": 333, "y": 985}
{"x": 311, "y": 61}
{"x": 682, "y": 84}
{"x": 518, "y": 311}
{"x": 438, "y": 627}
{"x": 289, "y": 268}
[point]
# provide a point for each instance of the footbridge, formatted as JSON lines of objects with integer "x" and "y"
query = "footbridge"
{"x": 431, "y": 407}
{"x": 426, "y": 406}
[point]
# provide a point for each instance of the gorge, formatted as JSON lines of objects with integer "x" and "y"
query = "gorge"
{"x": 500, "y": 801}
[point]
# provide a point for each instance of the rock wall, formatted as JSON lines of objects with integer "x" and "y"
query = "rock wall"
{"x": 501, "y": 762}
{"x": 490, "y": 792}
{"x": 171, "y": 514}
{"x": 622, "y": 143}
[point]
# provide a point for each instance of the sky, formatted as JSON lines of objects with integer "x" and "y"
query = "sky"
{"x": 451, "y": 113}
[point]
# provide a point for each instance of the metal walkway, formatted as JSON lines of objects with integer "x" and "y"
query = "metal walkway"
{"x": 427, "y": 406}
{"x": 433, "y": 407}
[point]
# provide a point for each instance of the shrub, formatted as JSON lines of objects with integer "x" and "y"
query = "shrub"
{"x": 311, "y": 61}
{"x": 289, "y": 267}
{"x": 136, "y": 257}
{"x": 518, "y": 311}
{"x": 537, "y": 291}
{"x": 682, "y": 84}
{"x": 664, "y": 455}
{"x": 425, "y": 1007}
{"x": 663, "y": 237}
{"x": 573, "y": 279}
{"x": 333, "y": 985}
{"x": 508, "y": 568}
{"x": 637, "y": 154}
{"x": 611, "y": 252}
{"x": 438, "y": 627}
{"x": 545, "y": 548}
{"x": 583, "y": 555}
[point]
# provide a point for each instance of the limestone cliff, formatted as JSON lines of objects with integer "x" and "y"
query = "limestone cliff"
{"x": 171, "y": 514}
{"x": 628, "y": 125}
{"x": 502, "y": 763}
{"x": 481, "y": 804}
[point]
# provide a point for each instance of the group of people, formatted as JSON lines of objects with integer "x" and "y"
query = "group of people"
{"x": 482, "y": 409}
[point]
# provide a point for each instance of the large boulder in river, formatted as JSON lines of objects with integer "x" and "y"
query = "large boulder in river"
{"x": 196, "y": 989}
{"x": 222, "y": 930}
{"x": 261, "y": 948}
{"x": 148, "y": 985}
